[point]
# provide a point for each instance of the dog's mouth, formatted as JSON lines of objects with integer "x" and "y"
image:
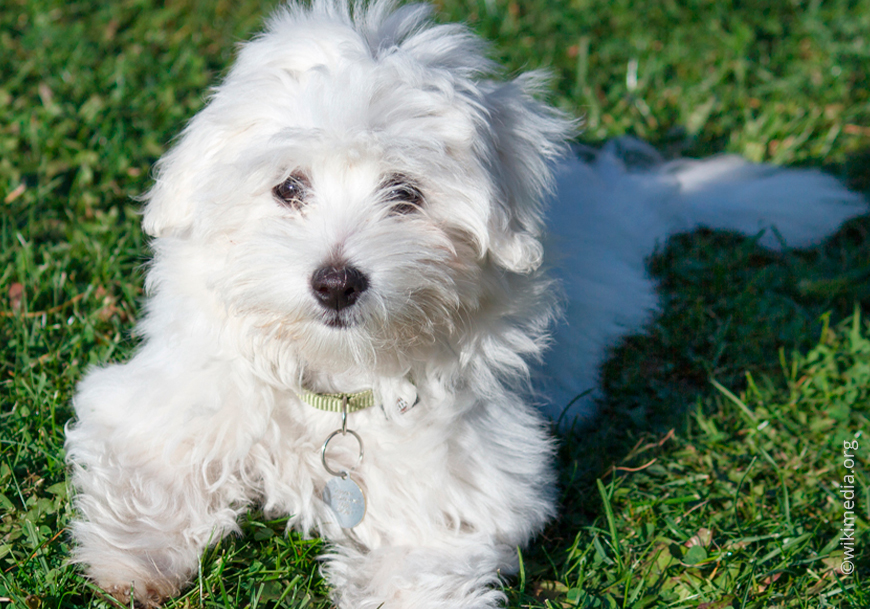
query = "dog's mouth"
{"x": 339, "y": 320}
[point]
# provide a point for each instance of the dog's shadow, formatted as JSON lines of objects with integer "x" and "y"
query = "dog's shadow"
{"x": 728, "y": 307}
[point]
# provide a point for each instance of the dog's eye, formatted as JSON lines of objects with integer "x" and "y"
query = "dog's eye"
{"x": 402, "y": 195}
{"x": 293, "y": 191}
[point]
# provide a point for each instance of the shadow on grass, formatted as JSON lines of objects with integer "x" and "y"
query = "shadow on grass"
{"x": 728, "y": 306}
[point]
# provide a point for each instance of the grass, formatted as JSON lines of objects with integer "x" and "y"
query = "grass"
{"x": 687, "y": 493}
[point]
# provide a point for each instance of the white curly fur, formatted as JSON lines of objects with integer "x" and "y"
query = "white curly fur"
{"x": 204, "y": 421}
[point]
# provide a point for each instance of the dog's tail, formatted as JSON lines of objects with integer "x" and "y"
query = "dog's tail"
{"x": 614, "y": 206}
{"x": 793, "y": 208}
{"x": 629, "y": 185}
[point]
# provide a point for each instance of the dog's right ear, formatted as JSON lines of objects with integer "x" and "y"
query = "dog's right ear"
{"x": 169, "y": 204}
{"x": 178, "y": 178}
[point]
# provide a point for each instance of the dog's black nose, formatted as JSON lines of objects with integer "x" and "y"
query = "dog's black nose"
{"x": 337, "y": 287}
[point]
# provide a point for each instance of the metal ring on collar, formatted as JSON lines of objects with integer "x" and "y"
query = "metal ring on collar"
{"x": 342, "y": 473}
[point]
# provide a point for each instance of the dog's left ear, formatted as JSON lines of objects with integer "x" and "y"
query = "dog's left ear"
{"x": 527, "y": 136}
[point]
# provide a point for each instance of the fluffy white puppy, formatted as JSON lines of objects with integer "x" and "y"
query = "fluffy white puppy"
{"x": 354, "y": 221}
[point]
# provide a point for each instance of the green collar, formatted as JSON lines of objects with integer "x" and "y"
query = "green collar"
{"x": 332, "y": 402}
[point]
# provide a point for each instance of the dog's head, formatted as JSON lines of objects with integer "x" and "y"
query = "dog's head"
{"x": 358, "y": 185}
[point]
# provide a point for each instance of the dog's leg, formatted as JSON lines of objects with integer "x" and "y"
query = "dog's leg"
{"x": 154, "y": 476}
{"x": 445, "y": 522}
{"x": 463, "y": 576}
{"x": 142, "y": 529}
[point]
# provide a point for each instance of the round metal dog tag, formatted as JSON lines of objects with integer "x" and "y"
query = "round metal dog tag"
{"x": 346, "y": 499}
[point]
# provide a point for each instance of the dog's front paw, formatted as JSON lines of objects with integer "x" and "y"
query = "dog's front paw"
{"x": 131, "y": 561}
{"x": 134, "y": 583}
{"x": 459, "y": 577}
{"x": 147, "y": 596}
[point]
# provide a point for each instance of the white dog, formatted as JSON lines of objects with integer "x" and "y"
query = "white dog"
{"x": 348, "y": 238}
